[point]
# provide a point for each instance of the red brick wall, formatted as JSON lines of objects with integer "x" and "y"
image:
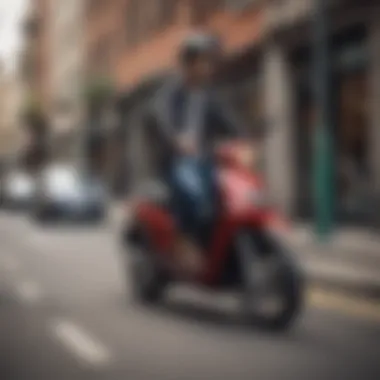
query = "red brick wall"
{"x": 157, "y": 51}
{"x": 129, "y": 64}
{"x": 105, "y": 25}
{"x": 153, "y": 56}
{"x": 237, "y": 30}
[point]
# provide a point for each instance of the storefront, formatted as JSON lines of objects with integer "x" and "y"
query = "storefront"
{"x": 350, "y": 99}
{"x": 291, "y": 111}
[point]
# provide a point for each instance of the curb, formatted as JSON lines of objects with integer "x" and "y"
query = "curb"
{"x": 363, "y": 257}
{"x": 351, "y": 271}
{"x": 363, "y": 284}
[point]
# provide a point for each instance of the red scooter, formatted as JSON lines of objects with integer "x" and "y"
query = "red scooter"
{"x": 242, "y": 247}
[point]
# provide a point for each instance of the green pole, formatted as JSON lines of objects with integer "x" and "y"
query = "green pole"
{"x": 323, "y": 141}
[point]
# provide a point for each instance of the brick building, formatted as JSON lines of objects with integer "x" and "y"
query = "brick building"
{"x": 36, "y": 81}
{"x": 267, "y": 75}
{"x": 104, "y": 35}
{"x": 52, "y": 66}
{"x": 130, "y": 41}
{"x": 155, "y": 28}
{"x": 66, "y": 53}
{"x": 270, "y": 75}
{"x": 11, "y": 136}
{"x": 36, "y": 64}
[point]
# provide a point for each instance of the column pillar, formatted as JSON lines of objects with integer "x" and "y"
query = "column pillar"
{"x": 280, "y": 144}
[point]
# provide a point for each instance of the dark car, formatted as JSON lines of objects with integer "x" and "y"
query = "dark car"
{"x": 67, "y": 195}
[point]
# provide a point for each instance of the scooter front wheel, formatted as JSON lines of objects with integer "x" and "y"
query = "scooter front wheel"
{"x": 272, "y": 290}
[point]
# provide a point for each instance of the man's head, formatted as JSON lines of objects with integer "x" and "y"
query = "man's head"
{"x": 198, "y": 58}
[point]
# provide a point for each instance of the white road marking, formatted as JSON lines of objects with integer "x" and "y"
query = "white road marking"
{"x": 88, "y": 350}
{"x": 39, "y": 239}
{"x": 337, "y": 270}
{"x": 29, "y": 291}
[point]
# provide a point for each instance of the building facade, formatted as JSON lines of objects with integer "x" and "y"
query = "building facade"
{"x": 36, "y": 58}
{"x": 35, "y": 75}
{"x": 67, "y": 73}
{"x": 355, "y": 71}
{"x": 104, "y": 36}
{"x": 53, "y": 69}
{"x": 268, "y": 75}
{"x": 104, "y": 43}
{"x": 153, "y": 31}
{"x": 11, "y": 93}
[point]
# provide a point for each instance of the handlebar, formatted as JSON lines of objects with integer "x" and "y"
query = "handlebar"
{"x": 236, "y": 152}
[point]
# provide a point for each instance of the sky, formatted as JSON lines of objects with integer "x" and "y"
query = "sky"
{"x": 11, "y": 16}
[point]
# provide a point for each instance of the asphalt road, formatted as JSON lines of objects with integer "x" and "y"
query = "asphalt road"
{"x": 65, "y": 313}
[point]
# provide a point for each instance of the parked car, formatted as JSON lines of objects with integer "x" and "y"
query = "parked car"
{"x": 67, "y": 195}
{"x": 17, "y": 190}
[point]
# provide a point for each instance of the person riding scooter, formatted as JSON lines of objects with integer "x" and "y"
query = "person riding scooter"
{"x": 185, "y": 119}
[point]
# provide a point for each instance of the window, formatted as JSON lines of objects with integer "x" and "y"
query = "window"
{"x": 133, "y": 21}
{"x": 101, "y": 53}
{"x": 158, "y": 15}
{"x": 151, "y": 16}
{"x": 167, "y": 12}
{"x": 146, "y": 17}
{"x": 204, "y": 9}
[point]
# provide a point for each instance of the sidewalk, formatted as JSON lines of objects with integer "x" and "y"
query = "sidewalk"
{"x": 117, "y": 213}
{"x": 350, "y": 262}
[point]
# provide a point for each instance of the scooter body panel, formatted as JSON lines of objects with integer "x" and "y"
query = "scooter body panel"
{"x": 239, "y": 189}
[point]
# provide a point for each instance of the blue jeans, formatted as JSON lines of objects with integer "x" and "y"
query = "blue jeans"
{"x": 192, "y": 182}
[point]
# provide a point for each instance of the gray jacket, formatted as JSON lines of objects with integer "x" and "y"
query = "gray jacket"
{"x": 165, "y": 116}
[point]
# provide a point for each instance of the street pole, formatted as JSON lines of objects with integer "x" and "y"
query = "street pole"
{"x": 323, "y": 140}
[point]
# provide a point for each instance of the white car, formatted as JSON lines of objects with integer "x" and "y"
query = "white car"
{"x": 18, "y": 190}
{"x": 67, "y": 194}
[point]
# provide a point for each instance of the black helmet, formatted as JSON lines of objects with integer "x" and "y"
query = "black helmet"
{"x": 198, "y": 44}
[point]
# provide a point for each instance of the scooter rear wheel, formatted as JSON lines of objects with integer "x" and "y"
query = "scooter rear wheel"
{"x": 143, "y": 274}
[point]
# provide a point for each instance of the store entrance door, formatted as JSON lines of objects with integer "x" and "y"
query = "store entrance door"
{"x": 353, "y": 170}
{"x": 349, "y": 102}
{"x": 350, "y": 131}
